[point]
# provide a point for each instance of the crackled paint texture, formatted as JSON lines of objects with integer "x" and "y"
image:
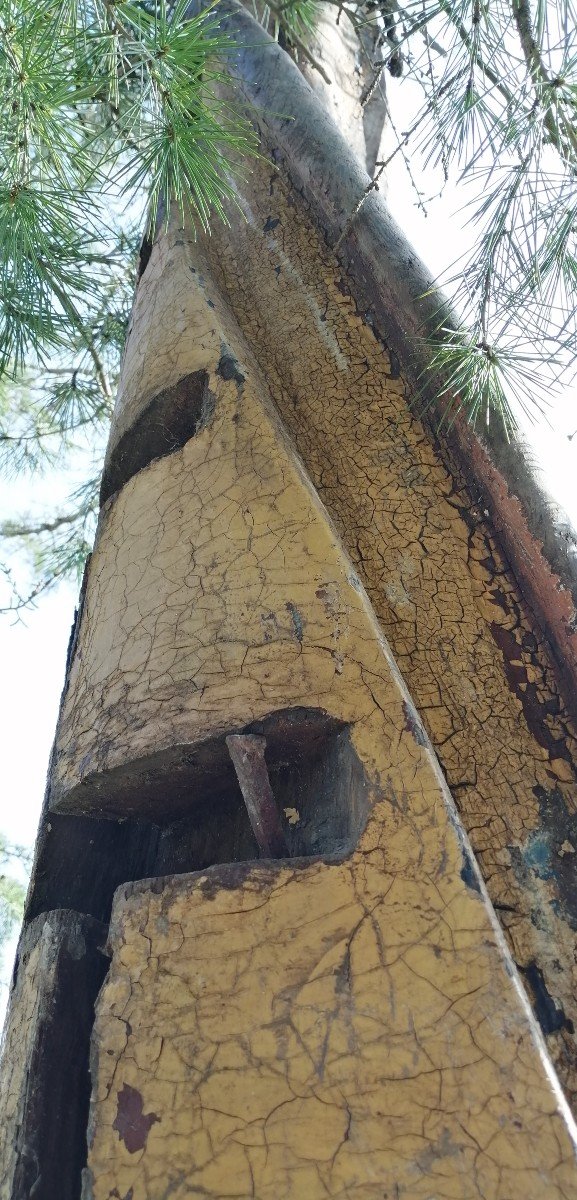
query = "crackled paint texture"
{"x": 301, "y": 1028}
{"x": 475, "y": 661}
{"x": 465, "y": 641}
{"x": 287, "y": 1031}
{"x": 321, "y": 1027}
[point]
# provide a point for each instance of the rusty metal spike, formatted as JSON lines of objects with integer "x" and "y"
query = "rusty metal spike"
{"x": 247, "y": 753}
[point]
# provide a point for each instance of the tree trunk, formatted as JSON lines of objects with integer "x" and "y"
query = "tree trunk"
{"x": 355, "y": 96}
{"x": 317, "y": 651}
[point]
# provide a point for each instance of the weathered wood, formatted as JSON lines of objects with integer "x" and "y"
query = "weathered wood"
{"x": 81, "y": 861}
{"x": 44, "y": 1080}
{"x": 394, "y": 289}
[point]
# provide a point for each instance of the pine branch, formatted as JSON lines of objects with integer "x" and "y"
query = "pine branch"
{"x": 10, "y": 529}
{"x": 88, "y": 341}
{"x": 279, "y": 12}
{"x": 565, "y": 141}
{"x": 484, "y": 66}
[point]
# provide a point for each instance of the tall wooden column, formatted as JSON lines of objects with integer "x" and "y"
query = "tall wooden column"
{"x": 296, "y": 629}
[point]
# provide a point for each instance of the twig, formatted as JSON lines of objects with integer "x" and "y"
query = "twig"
{"x": 11, "y": 531}
{"x": 374, "y": 83}
{"x": 25, "y": 602}
{"x": 484, "y": 67}
{"x": 298, "y": 42}
{"x": 541, "y": 77}
{"x": 88, "y": 340}
{"x": 374, "y": 183}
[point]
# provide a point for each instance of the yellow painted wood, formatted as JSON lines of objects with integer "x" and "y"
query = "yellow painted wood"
{"x": 287, "y": 1031}
{"x": 324, "y": 1032}
{"x": 475, "y": 660}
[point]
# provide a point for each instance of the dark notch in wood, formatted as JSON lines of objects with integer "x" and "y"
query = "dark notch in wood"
{"x": 144, "y": 256}
{"x": 182, "y": 809}
{"x": 167, "y": 423}
{"x": 81, "y": 861}
{"x": 247, "y": 753}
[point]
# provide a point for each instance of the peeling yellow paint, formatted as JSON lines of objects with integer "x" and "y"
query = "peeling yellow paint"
{"x": 345, "y": 1030}
{"x": 475, "y": 661}
{"x": 297, "y": 1028}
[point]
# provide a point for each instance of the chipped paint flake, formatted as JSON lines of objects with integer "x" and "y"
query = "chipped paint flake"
{"x": 131, "y": 1122}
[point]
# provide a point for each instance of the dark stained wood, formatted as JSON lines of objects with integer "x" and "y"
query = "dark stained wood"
{"x": 61, "y": 966}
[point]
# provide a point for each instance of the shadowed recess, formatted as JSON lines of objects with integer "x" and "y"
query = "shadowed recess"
{"x": 50, "y": 1141}
{"x": 182, "y": 810}
{"x": 167, "y": 423}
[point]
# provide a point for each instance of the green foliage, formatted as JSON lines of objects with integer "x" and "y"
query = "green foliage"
{"x": 108, "y": 105}
{"x": 99, "y": 99}
{"x": 498, "y": 113}
{"x": 61, "y": 410}
{"x": 296, "y": 18}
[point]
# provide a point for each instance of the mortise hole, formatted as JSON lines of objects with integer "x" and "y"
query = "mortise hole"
{"x": 182, "y": 810}
{"x": 167, "y": 423}
{"x": 143, "y": 256}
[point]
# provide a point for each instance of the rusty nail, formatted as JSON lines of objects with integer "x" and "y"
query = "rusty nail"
{"x": 247, "y": 753}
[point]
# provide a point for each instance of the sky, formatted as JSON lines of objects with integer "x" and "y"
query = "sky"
{"x": 32, "y": 658}
{"x": 33, "y": 649}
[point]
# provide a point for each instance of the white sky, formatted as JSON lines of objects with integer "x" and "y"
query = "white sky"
{"x": 33, "y": 651}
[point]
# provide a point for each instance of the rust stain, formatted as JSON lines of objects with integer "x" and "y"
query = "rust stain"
{"x": 552, "y": 601}
{"x": 131, "y": 1123}
{"x": 535, "y": 710}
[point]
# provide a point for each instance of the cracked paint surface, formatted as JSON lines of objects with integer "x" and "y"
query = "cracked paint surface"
{"x": 465, "y": 641}
{"x": 315, "y": 1030}
{"x": 298, "y": 1028}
